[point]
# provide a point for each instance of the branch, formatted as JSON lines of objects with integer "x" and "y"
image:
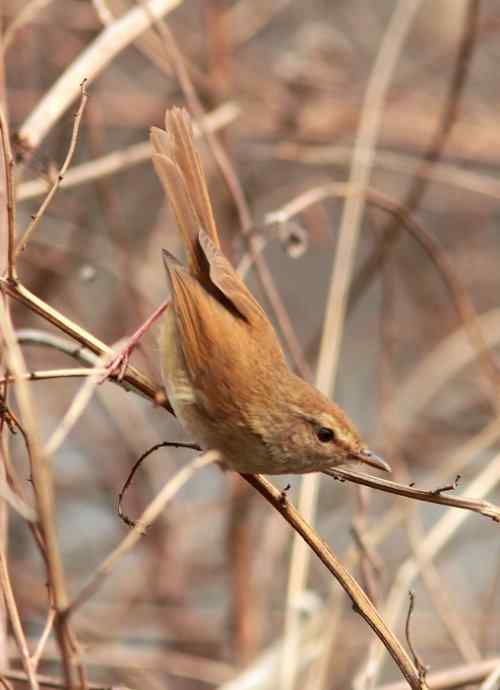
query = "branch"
{"x": 430, "y": 496}
{"x": 133, "y": 379}
{"x": 361, "y": 603}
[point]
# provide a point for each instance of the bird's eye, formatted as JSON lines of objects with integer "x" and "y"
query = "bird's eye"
{"x": 324, "y": 434}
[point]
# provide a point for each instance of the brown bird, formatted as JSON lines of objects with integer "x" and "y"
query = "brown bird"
{"x": 223, "y": 368}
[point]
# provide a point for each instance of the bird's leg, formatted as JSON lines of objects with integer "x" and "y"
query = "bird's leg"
{"x": 119, "y": 362}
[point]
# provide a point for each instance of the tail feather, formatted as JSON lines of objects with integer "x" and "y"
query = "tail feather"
{"x": 179, "y": 168}
{"x": 178, "y": 125}
{"x": 175, "y": 186}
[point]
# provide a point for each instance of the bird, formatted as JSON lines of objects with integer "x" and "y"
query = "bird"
{"x": 223, "y": 368}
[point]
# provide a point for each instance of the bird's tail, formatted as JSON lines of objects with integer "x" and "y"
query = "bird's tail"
{"x": 179, "y": 168}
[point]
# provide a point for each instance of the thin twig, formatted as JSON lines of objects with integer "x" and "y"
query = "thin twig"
{"x": 448, "y": 487}
{"x": 59, "y": 177}
{"x": 422, "y": 669}
{"x": 133, "y": 379}
{"x": 44, "y": 375}
{"x": 432, "y": 496}
{"x": 8, "y": 162}
{"x": 135, "y": 467}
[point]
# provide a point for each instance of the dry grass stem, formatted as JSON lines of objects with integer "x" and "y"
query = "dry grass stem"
{"x": 439, "y": 367}
{"x": 16, "y": 503}
{"x": 49, "y": 681}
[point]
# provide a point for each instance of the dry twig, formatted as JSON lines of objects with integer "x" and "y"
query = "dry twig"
{"x": 431, "y": 496}
{"x": 25, "y": 237}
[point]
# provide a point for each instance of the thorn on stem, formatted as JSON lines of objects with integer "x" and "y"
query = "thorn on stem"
{"x": 283, "y": 495}
{"x": 448, "y": 487}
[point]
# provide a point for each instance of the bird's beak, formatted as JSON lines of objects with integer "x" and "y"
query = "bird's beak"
{"x": 368, "y": 458}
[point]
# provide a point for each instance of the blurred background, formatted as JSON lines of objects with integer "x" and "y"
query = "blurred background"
{"x": 201, "y": 601}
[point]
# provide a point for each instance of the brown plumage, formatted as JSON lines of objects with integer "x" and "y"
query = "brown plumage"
{"x": 224, "y": 370}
